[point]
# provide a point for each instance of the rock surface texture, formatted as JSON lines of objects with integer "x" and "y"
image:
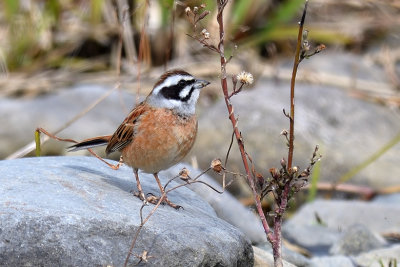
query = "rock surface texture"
{"x": 76, "y": 211}
{"x": 347, "y": 233}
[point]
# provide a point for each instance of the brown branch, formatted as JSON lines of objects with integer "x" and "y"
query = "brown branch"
{"x": 204, "y": 42}
{"x": 257, "y": 199}
{"x": 292, "y": 85}
{"x": 288, "y": 180}
{"x": 282, "y": 201}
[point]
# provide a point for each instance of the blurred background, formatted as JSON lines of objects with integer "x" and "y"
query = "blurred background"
{"x": 57, "y": 58}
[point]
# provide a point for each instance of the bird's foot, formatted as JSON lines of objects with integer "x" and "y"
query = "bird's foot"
{"x": 171, "y": 204}
{"x": 139, "y": 195}
{"x": 154, "y": 200}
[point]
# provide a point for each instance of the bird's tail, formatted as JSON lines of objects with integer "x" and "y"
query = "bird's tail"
{"x": 90, "y": 143}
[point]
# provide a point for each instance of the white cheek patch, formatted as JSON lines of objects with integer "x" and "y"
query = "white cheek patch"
{"x": 194, "y": 97}
{"x": 185, "y": 92}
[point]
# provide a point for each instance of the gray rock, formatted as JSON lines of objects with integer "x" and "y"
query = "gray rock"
{"x": 263, "y": 258}
{"x": 76, "y": 211}
{"x": 337, "y": 216}
{"x": 316, "y": 238}
{"x": 227, "y": 207}
{"x": 356, "y": 239}
{"x": 288, "y": 255}
{"x": 346, "y": 65}
{"x": 392, "y": 199}
{"x": 333, "y": 261}
{"x": 379, "y": 257}
{"x": 341, "y": 214}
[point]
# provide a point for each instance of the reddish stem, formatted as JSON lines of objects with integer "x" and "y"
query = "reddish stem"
{"x": 237, "y": 134}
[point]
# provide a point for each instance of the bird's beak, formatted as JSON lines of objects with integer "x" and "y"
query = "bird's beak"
{"x": 200, "y": 84}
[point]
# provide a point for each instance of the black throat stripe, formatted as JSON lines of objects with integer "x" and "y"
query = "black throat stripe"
{"x": 173, "y": 91}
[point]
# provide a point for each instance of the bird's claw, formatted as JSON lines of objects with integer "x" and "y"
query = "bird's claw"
{"x": 151, "y": 198}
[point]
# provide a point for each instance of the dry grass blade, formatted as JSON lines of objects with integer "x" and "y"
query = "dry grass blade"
{"x": 127, "y": 31}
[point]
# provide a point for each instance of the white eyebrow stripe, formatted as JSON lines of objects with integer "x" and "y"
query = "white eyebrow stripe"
{"x": 172, "y": 80}
{"x": 176, "y": 78}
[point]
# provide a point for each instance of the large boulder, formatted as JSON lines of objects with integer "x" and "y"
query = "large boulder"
{"x": 76, "y": 211}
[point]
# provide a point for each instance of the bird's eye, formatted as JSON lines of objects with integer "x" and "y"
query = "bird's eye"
{"x": 181, "y": 83}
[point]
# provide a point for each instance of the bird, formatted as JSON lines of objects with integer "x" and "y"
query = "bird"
{"x": 159, "y": 132}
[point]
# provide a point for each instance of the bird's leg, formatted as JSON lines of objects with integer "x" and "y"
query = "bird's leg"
{"x": 139, "y": 187}
{"x": 166, "y": 200}
{"x": 112, "y": 166}
{"x": 152, "y": 199}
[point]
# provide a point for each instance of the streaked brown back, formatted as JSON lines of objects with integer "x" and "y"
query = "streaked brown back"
{"x": 125, "y": 132}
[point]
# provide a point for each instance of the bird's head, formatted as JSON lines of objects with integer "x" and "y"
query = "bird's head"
{"x": 176, "y": 90}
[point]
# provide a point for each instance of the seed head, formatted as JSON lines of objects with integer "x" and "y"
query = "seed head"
{"x": 205, "y": 33}
{"x": 216, "y": 165}
{"x": 245, "y": 77}
{"x": 184, "y": 174}
{"x": 283, "y": 163}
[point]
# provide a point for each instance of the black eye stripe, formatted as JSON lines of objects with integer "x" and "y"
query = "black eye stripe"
{"x": 183, "y": 83}
{"x": 173, "y": 91}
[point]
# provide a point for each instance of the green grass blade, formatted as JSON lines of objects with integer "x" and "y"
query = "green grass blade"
{"x": 284, "y": 13}
{"x": 95, "y": 14}
{"x": 167, "y": 7}
{"x": 284, "y": 33}
{"x": 37, "y": 141}
{"x": 11, "y": 8}
{"x": 350, "y": 174}
{"x": 240, "y": 11}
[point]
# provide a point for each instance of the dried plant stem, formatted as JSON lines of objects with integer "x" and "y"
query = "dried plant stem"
{"x": 126, "y": 31}
{"x": 275, "y": 236}
{"x": 257, "y": 199}
{"x": 292, "y": 85}
{"x": 32, "y": 145}
{"x": 171, "y": 35}
{"x": 140, "y": 228}
{"x": 157, "y": 205}
{"x": 283, "y": 200}
{"x": 144, "y": 48}
{"x": 53, "y": 136}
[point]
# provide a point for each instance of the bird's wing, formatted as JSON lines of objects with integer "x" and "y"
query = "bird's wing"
{"x": 125, "y": 132}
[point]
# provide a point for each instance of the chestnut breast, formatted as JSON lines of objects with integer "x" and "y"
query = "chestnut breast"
{"x": 161, "y": 138}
